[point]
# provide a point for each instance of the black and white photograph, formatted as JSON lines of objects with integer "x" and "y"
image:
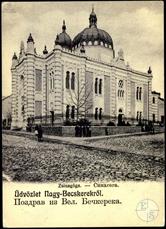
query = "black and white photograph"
{"x": 83, "y": 98}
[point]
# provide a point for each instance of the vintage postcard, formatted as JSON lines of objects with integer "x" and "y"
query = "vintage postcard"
{"x": 83, "y": 118}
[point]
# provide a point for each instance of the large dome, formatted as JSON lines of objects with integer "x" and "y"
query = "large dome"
{"x": 93, "y": 34}
{"x": 63, "y": 39}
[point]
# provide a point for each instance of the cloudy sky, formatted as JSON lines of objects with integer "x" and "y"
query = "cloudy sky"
{"x": 136, "y": 27}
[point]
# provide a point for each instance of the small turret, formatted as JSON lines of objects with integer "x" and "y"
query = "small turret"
{"x": 149, "y": 70}
{"x": 30, "y": 44}
{"x": 22, "y": 50}
{"x": 63, "y": 26}
{"x": 82, "y": 49}
{"x": 14, "y": 60}
{"x": 45, "y": 50}
{"x": 121, "y": 55}
{"x": 30, "y": 38}
{"x": 57, "y": 40}
{"x": 57, "y": 43}
{"x": 35, "y": 51}
{"x": 92, "y": 18}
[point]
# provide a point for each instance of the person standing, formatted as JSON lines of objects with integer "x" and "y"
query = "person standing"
{"x": 36, "y": 130}
{"x": 84, "y": 131}
{"x": 76, "y": 131}
{"x": 40, "y": 133}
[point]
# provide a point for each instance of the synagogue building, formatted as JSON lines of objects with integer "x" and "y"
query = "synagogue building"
{"x": 80, "y": 78}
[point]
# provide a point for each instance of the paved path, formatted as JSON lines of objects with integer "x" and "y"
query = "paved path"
{"x": 73, "y": 139}
{"x": 77, "y": 142}
{"x": 25, "y": 159}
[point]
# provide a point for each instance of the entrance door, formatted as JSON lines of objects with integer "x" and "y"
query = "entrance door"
{"x": 120, "y": 117}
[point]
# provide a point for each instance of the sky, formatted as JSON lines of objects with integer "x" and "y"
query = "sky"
{"x": 135, "y": 26}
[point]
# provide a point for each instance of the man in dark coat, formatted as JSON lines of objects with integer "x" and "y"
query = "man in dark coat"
{"x": 40, "y": 133}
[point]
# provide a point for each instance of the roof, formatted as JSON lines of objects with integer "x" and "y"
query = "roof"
{"x": 5, "y": 97}
{"x": 92, "y": 33}
{"x": 162, "y": 99}
{"x": 155, "y": 92}
{"x": 63, "y": 38}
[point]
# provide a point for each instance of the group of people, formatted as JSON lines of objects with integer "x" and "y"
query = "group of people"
{"x": 39, "y": 132}
{"x": 82, "y": 131}
{"x": 148, "y": 127}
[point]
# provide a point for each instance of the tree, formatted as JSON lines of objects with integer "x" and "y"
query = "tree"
{"x": 81, "y": 97}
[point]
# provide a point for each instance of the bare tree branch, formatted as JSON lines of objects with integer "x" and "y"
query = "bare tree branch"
{"x": 81, "y": 97}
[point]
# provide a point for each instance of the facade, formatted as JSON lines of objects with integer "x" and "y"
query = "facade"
{"x": 157, "y": 107}
{"x": 6, "y": 111}
{"x": 82, "y": 77}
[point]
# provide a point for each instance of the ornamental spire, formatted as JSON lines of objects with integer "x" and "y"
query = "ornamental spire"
{"x": 22, "y": 49}
{"x": 93, "y": 18}
{"x": 63, "y": 26}
{"x": 30, "y": 38}
{"x": 149, "y": 70}
{"x": 14, "y": 60}
{"x": 14, "y": 56}
{"x": 57, "y": 40}
{"x": 45, "y": 50}
{"x": 92, "y": 8}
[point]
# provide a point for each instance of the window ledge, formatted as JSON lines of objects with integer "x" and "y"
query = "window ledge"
{"x": 99, "y": 95}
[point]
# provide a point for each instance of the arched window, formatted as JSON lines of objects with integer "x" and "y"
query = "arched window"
{"x": 153, "y": 115}
{"x": 23, "y": 109}
{"x": 73, "y": 81}
{"x": 96, "y": 85}
{"x": 137, "y": 92}
{"x": 67, "y": 111}
{"x": 50, "y": 83}
{"x": 100, "y": 86}
{"x": 21, "y": 77}
{"x": 140, "y": 93}
{"x": 100, "y": 113}
{"x": 72, "y": 112}
{"x": 96, "y": 113}
{"x": 153, "y": 99}
{"x": 120, "y": 93}
{"x": 67, "y": 79}
{"x": 53, "y": 83}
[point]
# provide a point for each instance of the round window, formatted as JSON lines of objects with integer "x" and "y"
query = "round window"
{"x": 120, "y": 83}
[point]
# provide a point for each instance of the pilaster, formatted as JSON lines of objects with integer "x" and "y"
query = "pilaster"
{"x": 58, "y": 83}
{"x": 14, "y": 97}
{"x": 113, "y": 96}
{"x": 30, "y": 85}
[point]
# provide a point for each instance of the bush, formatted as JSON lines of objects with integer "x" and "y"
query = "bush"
{"x": 68, "y": 123}
{"x": 83, "y": 122}
{"x": 110, "y": 123}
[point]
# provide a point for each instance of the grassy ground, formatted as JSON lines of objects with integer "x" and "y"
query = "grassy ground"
{"x": 28, "y": 160}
